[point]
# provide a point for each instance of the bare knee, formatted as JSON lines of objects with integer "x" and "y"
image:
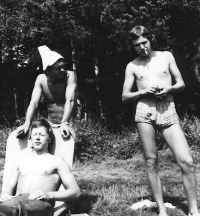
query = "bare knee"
{"x": 151, "y": 164}
{"x": 187, "y": 164}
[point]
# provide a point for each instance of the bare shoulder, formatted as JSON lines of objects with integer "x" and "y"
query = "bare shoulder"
{"x": 165, "y": 54}
{"x": 71, "y": 75}
{"x": 132, "y": 66}
{"x": 41, "y": 78}
{"x": 22, "y": 160}
{"x": 59, "y": 162}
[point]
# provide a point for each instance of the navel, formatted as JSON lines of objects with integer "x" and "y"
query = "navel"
{"x": 165, "y": 72}
{"x": 141, "y": 77}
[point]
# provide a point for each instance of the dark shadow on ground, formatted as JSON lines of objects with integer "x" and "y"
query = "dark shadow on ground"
{"x": 179, "y": 202}
{"x": 83, "y": 204}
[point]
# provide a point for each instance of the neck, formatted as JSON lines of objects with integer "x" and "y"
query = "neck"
{"x": 40, "y": 153}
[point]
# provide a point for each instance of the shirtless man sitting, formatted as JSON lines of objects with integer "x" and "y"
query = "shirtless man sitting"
{"x": 154, "y": 73}
{"x": 38, "y": 176}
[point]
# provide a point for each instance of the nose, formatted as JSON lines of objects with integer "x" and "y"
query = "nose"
{"x": 38, "y": 137}
{"x": 141, "y": 46}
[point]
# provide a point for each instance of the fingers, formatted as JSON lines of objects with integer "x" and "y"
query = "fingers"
{"x": 20, "y": 134}
{"x": 64, "y": 131}
{"x": 38, "y": 195}
{"x": 5, "y": 197}
{"x": 21, "y": 131}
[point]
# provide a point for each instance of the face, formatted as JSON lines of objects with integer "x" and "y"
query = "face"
{"x": 58, "y": 70}
{"x": 40, "y": 138}
{"x": 142, "y": 46}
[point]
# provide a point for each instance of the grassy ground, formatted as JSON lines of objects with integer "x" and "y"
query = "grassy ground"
{"x": 110, "y": 187}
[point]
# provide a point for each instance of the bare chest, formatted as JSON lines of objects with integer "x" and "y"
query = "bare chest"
{"x": 40, "y": 167}
{"x": 154, "y": 69}
{"x": 54, "y": 92}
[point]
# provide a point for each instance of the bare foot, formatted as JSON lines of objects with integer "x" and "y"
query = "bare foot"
{"x": 163, "y": 213}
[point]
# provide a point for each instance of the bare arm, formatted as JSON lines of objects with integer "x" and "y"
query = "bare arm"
{"x": 12, "y": 183}
{"x": 127, "y": 95}
{"x": 36, "y": 94}
{"x": 70, "y": 97}
{"x": 71, "y": 191}
{"x": 175, "y": 73}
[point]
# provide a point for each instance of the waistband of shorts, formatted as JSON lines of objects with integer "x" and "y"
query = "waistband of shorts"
{"x": 156, "y": 99}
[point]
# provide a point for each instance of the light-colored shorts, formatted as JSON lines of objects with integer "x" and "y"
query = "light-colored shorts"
{"x": 156, "y": 112}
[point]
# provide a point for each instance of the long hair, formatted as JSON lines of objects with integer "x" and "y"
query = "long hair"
{"x": 137, "y": 32}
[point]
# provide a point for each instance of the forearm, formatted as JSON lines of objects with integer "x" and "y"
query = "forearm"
{"x": 178, "y": 87}
{"x": 131, "y": 97}
{"x": 7, "y": 191}
{"x": 68, "y": 111}
{"x": 30, "y": 113}
{"x": 66, "y": 195}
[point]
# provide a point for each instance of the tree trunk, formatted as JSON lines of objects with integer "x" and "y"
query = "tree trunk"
{"x": 15, "y": 103}
{"x": 98, "y": 88}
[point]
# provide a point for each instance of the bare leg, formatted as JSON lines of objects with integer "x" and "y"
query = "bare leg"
{"x": 176, "y": 140}
{"x": 148, "y": 136}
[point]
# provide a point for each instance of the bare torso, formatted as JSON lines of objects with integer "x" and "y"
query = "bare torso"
{"x": 54, "y": 95}
{"x": 153, "y": 72}
{"x": 37, "y": 173}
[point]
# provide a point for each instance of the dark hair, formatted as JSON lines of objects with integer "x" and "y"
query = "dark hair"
{"x": 137, "y": 32}
{"x": 42, "y": 123}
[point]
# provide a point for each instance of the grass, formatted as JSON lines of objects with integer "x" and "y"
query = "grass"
{"x": 111, "y": 185}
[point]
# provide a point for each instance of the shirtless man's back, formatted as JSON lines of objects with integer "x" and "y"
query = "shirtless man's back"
{"x": 157, "y": 77}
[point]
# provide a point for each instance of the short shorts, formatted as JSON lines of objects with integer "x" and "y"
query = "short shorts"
{"x": 156, "y": 112}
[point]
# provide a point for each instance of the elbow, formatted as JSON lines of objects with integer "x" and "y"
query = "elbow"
{"x": 183, "y": 87}
{"x": 124, "y": 99}
{"x": 77, "y": 194}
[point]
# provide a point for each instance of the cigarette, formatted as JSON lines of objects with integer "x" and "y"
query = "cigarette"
{"x": 146, "y": 52}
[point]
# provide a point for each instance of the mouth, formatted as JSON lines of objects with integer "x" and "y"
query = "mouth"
{"x": 145, "y": 52}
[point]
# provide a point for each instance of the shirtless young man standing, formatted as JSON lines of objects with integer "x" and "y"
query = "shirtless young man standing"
{"x": 38, "y": 176}
{"x": 154, "y": 73}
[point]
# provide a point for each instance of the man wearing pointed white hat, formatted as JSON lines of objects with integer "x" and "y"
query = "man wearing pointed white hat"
{"x": 58, "y": 86}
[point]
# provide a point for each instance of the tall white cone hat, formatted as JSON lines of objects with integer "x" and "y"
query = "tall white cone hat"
{"x": 48, "y": 57}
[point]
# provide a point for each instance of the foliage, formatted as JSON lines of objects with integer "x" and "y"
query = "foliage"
{"x": 97, "y": 32}
{"x": 96, "y": 141}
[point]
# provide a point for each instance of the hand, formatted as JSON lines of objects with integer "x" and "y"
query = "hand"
{"x": 5, "y": 197}
{"x": 38, "y": 195}
{"x": 162, "y": 92}
{"x": 21, "y": 131}
{"x": 64, "y": 130}
{"x": 149, "y": 90}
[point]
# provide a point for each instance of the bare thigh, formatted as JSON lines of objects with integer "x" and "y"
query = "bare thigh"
{"x": 176, "y": 140}
{"x": 147, "y": 135}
